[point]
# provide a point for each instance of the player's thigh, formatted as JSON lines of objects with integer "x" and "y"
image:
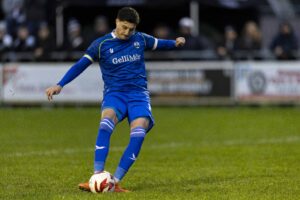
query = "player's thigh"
{"x": 139, "y": 113}
{"x": 114, "y": 107}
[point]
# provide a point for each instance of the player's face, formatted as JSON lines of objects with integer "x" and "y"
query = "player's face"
{"x": 124, "y": 29}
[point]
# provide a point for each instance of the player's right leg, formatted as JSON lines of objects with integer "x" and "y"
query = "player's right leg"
{"x": 113, "y": 111}
{"x": 107, "y": 125}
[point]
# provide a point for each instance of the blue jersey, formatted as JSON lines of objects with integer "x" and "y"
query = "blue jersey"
{"x": 122, "y": 61}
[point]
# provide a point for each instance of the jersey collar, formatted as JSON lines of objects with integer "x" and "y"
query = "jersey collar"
{"x": 113, "y": 34}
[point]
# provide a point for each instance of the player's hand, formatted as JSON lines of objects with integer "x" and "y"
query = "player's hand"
{"x": 53, "y": 91}
{"x": 180, "y": 41}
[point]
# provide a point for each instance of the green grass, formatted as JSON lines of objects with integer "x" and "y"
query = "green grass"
{"x": 192, "y": 153}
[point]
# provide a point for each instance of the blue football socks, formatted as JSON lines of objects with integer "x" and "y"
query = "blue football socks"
{"x": 131, "y": 153}
{"x": 102, "y": 143}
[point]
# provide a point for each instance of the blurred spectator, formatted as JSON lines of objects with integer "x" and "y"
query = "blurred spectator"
{"x": 101, "y": 28}
{"x": 250, "y": 38}
{"x": 24, "y": 41}
{"x": 229, "y": 44}
{"x": 162, "y": 31}
{"x": 192, "y": 42}
{"x": 45, "y": 43}
{"x": 35, "y": 11}
{"x": 6, "y": 40}
{"x": 285, "y": 43}
{"x": 74, "y": 41}
{"x": 14, "y": 15}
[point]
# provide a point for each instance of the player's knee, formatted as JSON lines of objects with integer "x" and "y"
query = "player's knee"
{"x": 142, "y": 122}
{"x": 109, "y": 113}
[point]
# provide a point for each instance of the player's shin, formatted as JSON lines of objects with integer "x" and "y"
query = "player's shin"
{"x": 102, "y": 143}
{"x": 131, "y": 153}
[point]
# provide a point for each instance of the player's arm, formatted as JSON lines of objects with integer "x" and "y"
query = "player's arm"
{"x": 71, "y": 74}
{"x": 89, "y": 57}
{"x": 162, "y": 44}
{"x": 169, "y": 44}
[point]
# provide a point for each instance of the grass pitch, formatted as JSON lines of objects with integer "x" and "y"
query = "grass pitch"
{"x": 191, "y": 153}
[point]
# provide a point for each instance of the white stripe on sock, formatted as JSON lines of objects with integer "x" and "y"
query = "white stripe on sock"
{"x": 107, "y": 125}
{"x": 108, "y": 121}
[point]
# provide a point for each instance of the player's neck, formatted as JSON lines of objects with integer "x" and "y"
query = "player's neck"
{"x": 116, "y": 35}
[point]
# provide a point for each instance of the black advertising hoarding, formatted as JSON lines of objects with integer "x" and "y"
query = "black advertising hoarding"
{"x": 190, "y": 80}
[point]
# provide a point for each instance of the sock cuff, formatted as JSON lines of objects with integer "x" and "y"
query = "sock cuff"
{"x": 107, "y": 124}
{"x": 138, "y": 132}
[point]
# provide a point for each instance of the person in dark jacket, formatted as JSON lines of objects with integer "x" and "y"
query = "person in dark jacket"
{"x": 45, "y": 43}
{"x": 285, "y": 43}
{"x": 193, "y": 42}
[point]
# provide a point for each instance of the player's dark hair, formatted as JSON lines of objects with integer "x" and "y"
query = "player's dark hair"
{"x": 129, "y": 14}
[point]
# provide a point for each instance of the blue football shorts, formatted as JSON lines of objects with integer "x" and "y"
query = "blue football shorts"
{"x": 132, "y": 105}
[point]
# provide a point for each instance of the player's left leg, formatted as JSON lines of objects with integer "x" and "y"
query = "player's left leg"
{"x": 113, "y": 110}
{"x": 137, "y": 134}
{"x": 141, "y": 121}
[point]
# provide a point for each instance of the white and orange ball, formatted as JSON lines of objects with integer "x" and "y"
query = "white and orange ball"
{"x": 102, "y": 182}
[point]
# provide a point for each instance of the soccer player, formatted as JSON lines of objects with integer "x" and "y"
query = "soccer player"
{"x": 121, "y": 58}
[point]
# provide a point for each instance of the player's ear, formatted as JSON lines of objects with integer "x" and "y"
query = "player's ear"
{"x": 117, "y": 21}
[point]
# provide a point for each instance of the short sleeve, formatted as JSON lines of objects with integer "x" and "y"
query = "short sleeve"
{"x": 92, "y": 51}
{"x": 150, "y": 41}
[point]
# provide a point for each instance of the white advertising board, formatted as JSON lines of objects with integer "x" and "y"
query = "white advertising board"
{"x": 27, "y": 83}
{"x": 267, "y": 81}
